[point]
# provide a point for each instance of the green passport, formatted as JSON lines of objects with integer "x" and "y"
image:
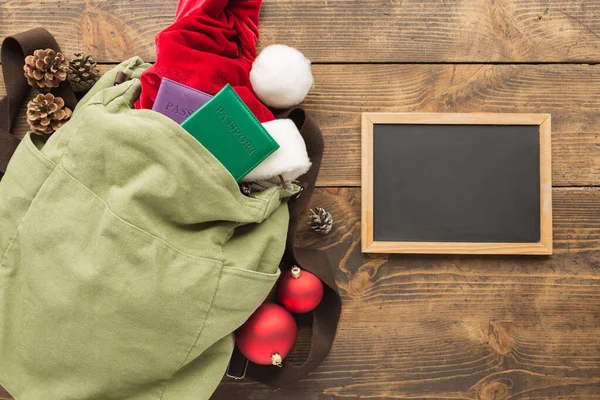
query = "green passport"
{"x": 229, "y": 130}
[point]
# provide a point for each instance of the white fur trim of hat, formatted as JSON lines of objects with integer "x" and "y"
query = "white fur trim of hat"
{"x": 281, "y": 76}
{"x": 290, "y": 160}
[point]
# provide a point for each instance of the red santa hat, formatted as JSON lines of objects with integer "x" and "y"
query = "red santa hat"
{"x": 212, "y": 43}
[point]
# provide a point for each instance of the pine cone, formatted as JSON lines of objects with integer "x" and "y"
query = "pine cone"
{"x": 46, "y": 69}
{"x": 46, "y": 113}
{"x": 83, "y": 72}
{"x": 320, "y": 221}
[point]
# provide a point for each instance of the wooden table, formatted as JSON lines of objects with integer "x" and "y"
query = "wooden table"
{"x": 434, "y": 327}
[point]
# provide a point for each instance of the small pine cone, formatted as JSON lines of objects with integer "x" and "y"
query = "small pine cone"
{"x": 83, "y": 72}
{"x": 46, "y": 113}
{"x": 320, "y": 221}
{"x": 46, "y": 69}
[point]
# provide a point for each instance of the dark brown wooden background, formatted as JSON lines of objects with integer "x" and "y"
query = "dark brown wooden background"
{"x": 423, "y": 327}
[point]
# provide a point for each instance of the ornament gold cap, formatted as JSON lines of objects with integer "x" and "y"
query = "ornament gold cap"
{"x": 276, "y": 360}
{"x": 296, "y": 272}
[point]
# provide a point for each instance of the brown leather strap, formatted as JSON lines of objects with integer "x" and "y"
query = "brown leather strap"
{"x": 14, "y": 50}
{"x": 326, "y": 316}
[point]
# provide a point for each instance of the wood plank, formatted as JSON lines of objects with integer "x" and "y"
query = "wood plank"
{"x": 341, "y": 30}
{"x": 4, "y": 394}
{"x": 571, "y": 93}
{"x": 436, "y": 30}
{"x": 458, "y": 327}
{"x": 111, "y": 30}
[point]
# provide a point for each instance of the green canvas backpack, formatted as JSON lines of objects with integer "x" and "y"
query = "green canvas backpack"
{"x": 129, "y": 256}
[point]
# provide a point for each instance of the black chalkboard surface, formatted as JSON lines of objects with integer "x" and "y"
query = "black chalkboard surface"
{"x": 460, "y": 187}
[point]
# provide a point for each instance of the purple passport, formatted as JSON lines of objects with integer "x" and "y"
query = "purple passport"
{"x": 178, "y": 101}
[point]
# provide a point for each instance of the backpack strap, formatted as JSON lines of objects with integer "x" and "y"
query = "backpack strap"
{"x": 12, "y": 57}
{"x": 326, "y": 316}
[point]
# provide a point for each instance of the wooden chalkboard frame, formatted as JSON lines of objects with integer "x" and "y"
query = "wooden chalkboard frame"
{"x": 544, "y": 247}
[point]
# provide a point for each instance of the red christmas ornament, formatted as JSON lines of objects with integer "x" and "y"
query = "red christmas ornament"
{"x": 299, "y": 291}
{"x": 268, "y": 336}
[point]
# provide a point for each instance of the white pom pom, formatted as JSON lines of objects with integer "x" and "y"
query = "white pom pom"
{"x": 281, "y": 76}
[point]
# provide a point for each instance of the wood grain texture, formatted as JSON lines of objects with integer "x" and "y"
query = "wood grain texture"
{"x": 475, "y": 118}
{"x": 4, "y": 394}
{"x": 458, "y": 327}
{"x": 341, "y": 30}
{"x": 110, "y": 30}
{"x": 546, "y": 184}
{"x": 422, "y": 327}
{"x": 571, "y": 93}
{"x": 436, "y": 30}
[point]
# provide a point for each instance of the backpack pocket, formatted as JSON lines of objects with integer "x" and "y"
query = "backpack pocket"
{"x": 240, "y": 293}
{"x": 26, "y": 173}
{"x": 108, "y": 312}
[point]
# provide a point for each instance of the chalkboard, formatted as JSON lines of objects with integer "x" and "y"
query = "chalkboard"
{"x": 456, "y": 183}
